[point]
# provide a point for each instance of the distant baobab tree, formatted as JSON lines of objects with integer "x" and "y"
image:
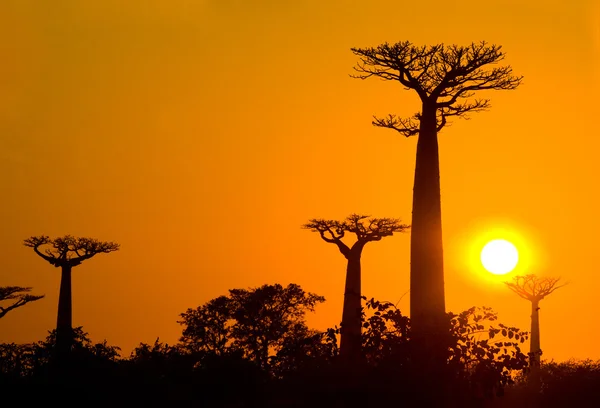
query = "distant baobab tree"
{"x": 19, "y": 295}
{"x": 534, "y": 289}
{"x": 65, "y": 253}
{"x": 366, "y": 230}
{"x": 445, "y": 77}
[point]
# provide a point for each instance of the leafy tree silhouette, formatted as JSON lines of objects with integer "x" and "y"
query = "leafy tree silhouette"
{"x": 258, "y": 322}
{"x": 83, "y": 348}
{"x": 534, "y": 288}
{"x": 67, "y": 252}
{"x": 572, "y": 383}
{"x": 481, "y": 358}
{"x": 15, "y": 362}
{"x": 26, "y": 367}
{"x": 366, "y": 230}
{"x": 19, "y": 295}
{"x": 445, "y": 78}
{"x": 208, "y": 327}
{"x": 303, "y": 368}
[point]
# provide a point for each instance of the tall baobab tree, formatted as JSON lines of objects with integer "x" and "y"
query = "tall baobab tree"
{"x": 534, "y": 289}
{"x": 445, "y": 78}
{"x": 19, "y": 295}
{"x": 65, "y": 253}
{"x": 366, "y": 230}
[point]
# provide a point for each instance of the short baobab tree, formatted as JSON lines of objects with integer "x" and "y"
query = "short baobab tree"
{"x": 18, "y": 295}
{"x": 366, "y": 230}
{"x": 446, "y": 79}
{"x": 65, "y": 253}
{"x": 534, "y": 288}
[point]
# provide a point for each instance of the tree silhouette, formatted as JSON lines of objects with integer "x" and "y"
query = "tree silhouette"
{"x": 366, "y": 230}
{"x": 445, "y": 78}
{"x": 534, "y": 289}
{"x": 18, "y": 294}
{"x": 208, "y": 327}
{"x": 268, "y": 315}
{"x": 482, "y": 354}
{"x": 258, "y": 321}
{"x": 65, "y": 253}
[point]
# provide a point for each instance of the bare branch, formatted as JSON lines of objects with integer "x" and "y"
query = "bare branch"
{"x": 331, "y": 231}
{"x": 405, "y": 126}
{"x": 36, "y": 242}
{"x": 17, "y": 293}
{"x": 402, "y": 62}
{"x": 462, "y": 109}
{"x": 376, "y": 229}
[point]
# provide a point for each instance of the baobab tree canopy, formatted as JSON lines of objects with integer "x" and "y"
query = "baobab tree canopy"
{"x": 363, "y": 226}
{"x": 69, "y": 250}
{"x": 444, "y": 76}
{"x": 532, "y": 287}
{"x": 18, "y": 295}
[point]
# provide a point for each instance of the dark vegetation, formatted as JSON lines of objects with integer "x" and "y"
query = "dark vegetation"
{"x": 253, "y": 347}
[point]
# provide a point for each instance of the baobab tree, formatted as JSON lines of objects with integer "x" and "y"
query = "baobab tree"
{"x": 445, "y": 78}
{"x": 534, "y": 289}
{"x": 366, "y": 230}
{"x": 65, "y": 253}
{"x": 18, "y": 295}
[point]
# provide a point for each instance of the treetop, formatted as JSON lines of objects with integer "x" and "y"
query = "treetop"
{"x": 69, "y": 250}
{"x": 445, "y": 77}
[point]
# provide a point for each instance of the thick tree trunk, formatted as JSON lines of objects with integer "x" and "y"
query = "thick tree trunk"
{"x": 427, "y": 300}
{"x": 534, "y": 343}
{"x": 64, "y": 326}
{"x": 350, "y": 342}
{"x": 429, "y": 329}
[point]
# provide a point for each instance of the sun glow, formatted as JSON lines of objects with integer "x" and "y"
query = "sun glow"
{"x": 499, "y": 256}
{"x": 464, "y": 251}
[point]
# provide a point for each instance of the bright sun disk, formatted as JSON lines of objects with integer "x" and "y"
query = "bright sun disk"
{"x": 499, "y": 256}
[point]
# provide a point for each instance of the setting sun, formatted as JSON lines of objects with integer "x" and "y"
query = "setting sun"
{"x": 499, "y": 256}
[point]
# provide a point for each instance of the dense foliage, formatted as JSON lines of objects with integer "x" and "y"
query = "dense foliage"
{"x": 253, "y": 348}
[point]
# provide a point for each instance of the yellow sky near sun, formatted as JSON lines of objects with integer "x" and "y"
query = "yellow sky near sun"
{"x": 200, "y": 135}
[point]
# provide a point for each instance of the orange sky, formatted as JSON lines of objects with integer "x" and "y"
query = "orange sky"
{"x": 200, "y": 135}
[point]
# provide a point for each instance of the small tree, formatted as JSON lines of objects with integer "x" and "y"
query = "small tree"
{"x": 259, "y": 322}
{"x": 18, "y": 294}
{"x": 445, "y": 78}
{"x": 534, "y": 289}
{"x": 267, "y": 316}
{"x": 366, "y": 231}
{"x": 65, "y": 253}
{"x": 208, "y": 327}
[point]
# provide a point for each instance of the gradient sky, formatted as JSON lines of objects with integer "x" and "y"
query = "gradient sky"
{"x": 200, "y": 135}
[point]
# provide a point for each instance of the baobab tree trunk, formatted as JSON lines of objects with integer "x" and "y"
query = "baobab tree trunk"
{"x": 534, "y": 344}
{"x": 427, "y": 299}
{"x": 64, "y": 325}
{"x": 350, "y": 342}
